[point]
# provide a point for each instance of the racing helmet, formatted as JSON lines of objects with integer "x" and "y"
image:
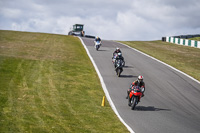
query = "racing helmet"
{"x": 117, "y": 49}
{"x": 140, "y": 78}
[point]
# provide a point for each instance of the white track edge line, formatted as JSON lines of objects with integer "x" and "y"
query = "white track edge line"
{"x": 105, "y": 89}
{"x": 161, "y": 62}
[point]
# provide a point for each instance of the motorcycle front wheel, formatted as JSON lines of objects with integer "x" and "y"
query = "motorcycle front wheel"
{"x": 118, "y": 72}
{"x": 97, "y": 47}
{"x": 134, "y": 101}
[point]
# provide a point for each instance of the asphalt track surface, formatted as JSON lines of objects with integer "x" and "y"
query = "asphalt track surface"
{"x": 172, "y": 100}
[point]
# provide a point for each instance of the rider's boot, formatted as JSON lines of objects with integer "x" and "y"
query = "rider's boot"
{"x": 127, "y": 94}
{"x": 142, "y": 94}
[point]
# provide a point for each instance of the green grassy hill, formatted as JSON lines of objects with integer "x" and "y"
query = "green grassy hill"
{"x": 48, "y": 84}
{"x": 195, "y": 38}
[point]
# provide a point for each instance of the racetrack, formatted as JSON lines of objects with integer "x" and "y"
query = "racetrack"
{"x": 172, "y": 100}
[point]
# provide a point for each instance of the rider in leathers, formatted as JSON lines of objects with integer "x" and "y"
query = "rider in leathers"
{"x": 119, "y": 57}
{"x": 97, "y": 39}
{"x": 139, "y": 82}
{"x": 117, "y": 51}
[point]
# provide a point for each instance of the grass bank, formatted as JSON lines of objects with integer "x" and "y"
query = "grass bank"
{"x": 195, "y": 38}
{"x": 186, "y": 59}
{"x": 48, "y": 84}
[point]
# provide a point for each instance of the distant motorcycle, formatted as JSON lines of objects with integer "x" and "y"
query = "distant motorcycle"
{"x": 135, "y": 96}
{"x": 119, "y": 67}
{"x": 97, "y": 44}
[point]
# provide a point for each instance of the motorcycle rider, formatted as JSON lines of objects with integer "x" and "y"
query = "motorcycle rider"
{"x": 115, "y": 54}
{"x": 117, "y": 51}
{"x": 139, "y": 82}
{"x": 97, "y": 39}
{"x": 119, "y": 57}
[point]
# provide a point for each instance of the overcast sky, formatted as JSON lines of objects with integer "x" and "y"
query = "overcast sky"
{"x": 109, "y": 19}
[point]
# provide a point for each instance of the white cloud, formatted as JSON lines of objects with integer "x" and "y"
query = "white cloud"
{"x": 10, "y": 13}
{"x": 113, "y": 19}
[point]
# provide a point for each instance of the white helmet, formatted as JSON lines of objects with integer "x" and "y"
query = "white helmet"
{"x": 140, "y": 78}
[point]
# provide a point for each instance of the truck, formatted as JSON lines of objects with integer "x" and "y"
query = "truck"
{"x": 77, "y": 30}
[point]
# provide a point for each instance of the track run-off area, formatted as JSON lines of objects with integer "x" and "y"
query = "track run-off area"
{"x": 172, "y": 99}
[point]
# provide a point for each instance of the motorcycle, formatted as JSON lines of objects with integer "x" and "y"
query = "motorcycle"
{"x": 97, "y": 44}
{"x": 135, "y": 96}
{"x": 119, "y": 67}
{"x": 114, "y": 58}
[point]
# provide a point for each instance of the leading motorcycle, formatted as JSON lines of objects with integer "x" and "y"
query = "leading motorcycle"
{"x": 135, "y": 96}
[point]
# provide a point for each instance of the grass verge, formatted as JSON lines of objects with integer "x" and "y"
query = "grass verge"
{"x": 195, "y": 38}
{"x": 48, "y": 84}
{"x": 186, "y": 59}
